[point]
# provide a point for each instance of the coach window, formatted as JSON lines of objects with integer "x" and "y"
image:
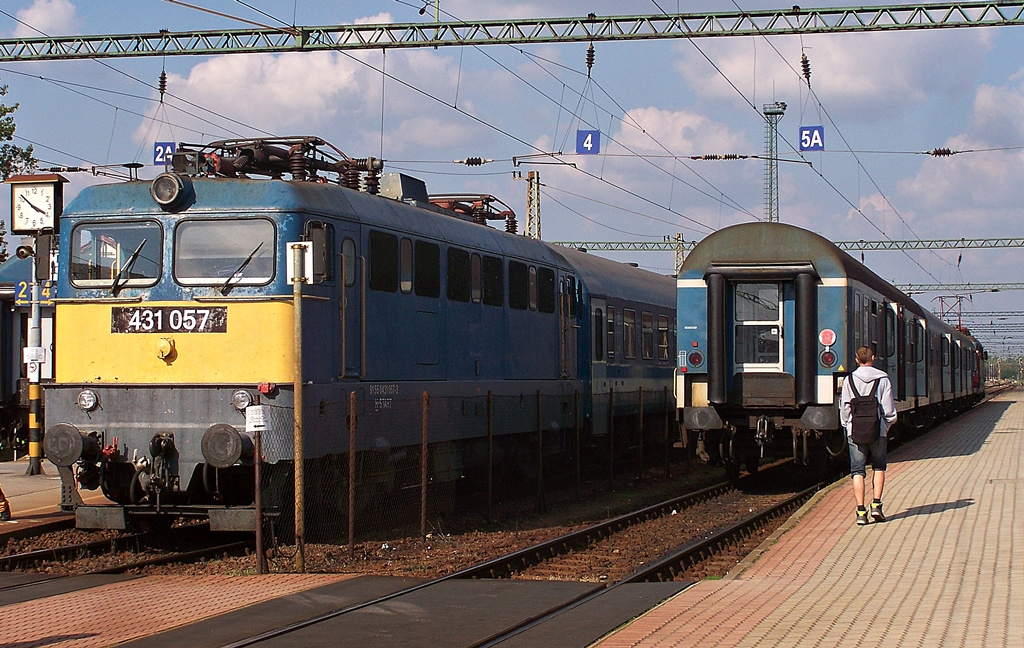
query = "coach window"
{"x": 405, "y": 266}
{"x": 383, "y": 261}
{"x": 890, "y": 332}
{"x": 758, "y": 322}
{"x": 856, "y": 321}
{"x": 873, "y": 327}
{"x": 611, "y": 332}
{"x": 647, "y": 336}
{"x": 944, "y": 345}
{"x": 459, "y": 282}
{"x": 598, "y": 335}
{"x": 427, "y": 264}
{"x": 494, "y": 282}
{"x": 919, "y": 338}
{"x": 533, "y": 288}
{"x": 663, "y": 338}
{"x": 628, "y": 333}
{"x": 100, "y": 252}
{"x": 348, "y": 261}
{"x": 518, "y": 285}
{"x": 546, "y": 290}
{"x": 224, "y": 252}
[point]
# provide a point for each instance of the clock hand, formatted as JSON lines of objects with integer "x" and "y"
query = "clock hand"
{"x": 32, "y": 205}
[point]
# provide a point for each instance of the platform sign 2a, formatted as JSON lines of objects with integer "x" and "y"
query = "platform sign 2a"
{"x": 812, "y": 138}
{"x": 162, "y": 152}
{"x": 588, "y": 142}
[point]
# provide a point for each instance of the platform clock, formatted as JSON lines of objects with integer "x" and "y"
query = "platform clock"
{"x": 36, "y": 202}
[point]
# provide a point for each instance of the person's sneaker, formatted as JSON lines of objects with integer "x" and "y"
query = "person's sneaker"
{"x": 6, "y": 515}
{"x": 876, "y": 512}
{"x": 862, "y": 517}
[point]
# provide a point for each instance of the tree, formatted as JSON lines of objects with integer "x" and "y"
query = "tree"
{"x": 13, "y": 159}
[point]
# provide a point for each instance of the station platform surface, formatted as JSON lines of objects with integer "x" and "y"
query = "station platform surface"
{"x": 945, "y": 569}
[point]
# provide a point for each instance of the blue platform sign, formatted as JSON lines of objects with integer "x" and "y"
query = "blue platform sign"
{"x": 812, "y": 138}
{"x": 588, "y": 142}
{"x": 162, "y": 152}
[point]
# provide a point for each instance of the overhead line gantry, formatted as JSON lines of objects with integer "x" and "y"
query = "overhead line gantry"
{"x": 675, "y": 245}
{"x": 591, "y": 28}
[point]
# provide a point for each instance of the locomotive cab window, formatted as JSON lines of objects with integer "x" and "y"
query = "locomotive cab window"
{"x": 125, "y": 253}
{"x": 215, "y": 252}
{"x": 758, "y": 324}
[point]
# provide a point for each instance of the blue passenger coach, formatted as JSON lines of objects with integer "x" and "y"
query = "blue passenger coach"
{"x": 770, "y": 317}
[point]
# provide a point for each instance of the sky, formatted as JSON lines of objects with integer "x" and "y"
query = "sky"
{"x": 884, "y": 99}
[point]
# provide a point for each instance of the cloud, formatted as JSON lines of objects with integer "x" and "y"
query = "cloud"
{"x": 51, "y": 17}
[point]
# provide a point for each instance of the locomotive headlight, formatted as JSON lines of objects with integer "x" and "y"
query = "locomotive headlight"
{"x": 88, "y": 400}
{"x": 170, "y": 190}
{"x": 241, "y": 399}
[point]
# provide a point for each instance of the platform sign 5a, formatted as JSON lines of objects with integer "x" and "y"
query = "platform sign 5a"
{"x": 588, "y": 142}
{"x": 812, "y": 138}
{"x": 162, "y": 152}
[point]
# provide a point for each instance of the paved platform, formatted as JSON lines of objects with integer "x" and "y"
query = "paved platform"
{"x": 946, "y": 569}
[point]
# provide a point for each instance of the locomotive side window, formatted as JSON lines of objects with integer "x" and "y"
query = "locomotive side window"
{"x": 628, "y": 333}
{"x": 611, "y": 333}
{"x": 428, "y": 269}
{"x": 322, "y": 236}
{"x": 663, "y": 338}
{"x": 646, "y": 336}
{"x": 348, "y": 261}
{"x": 405, "y": 266}
{"x": 598, "y": 335}
{"x": 545, "y": 290}
{"x": 476, "y": 278}
{"x": 216, "y": 252}
{"x": 383, "y": 261}
{"x": 518, "y": 285}
{"x": 758, "y": 324}
{"x": 101, "y": 252}
{"x": 494, "y": 282}
{"x": 533, "y": 288}
{"x": 459, "y": 282}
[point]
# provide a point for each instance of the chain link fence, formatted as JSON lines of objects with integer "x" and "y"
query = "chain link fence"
{"x": 386, "y": 467}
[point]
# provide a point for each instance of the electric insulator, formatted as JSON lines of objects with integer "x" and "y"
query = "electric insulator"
{"x": 163, "y": 84}
{"x": 474, "y": 161}
{"x": 590, "y": 58}
{"x": 941, "y": 152}
{"x": 805, "y": 65}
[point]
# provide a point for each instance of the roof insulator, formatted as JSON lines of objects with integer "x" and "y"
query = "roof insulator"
{"x": 590, "y": 59}
{"x": 805, "y": 65}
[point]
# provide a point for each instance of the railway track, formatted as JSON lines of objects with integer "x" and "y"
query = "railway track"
{"x": 668, "y": 566}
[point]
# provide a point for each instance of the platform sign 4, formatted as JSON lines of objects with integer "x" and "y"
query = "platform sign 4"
{"x": 162, "y": 152}
{"x": 588, "y": 142}
{"x": 812, "y": 138}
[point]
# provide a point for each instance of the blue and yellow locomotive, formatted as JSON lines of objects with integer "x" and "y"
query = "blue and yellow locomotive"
{"x": 770, "y": 316}
{"x": 175, "y": 317}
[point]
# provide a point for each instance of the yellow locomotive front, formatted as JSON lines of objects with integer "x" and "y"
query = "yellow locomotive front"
{"x": 173, "y": 315}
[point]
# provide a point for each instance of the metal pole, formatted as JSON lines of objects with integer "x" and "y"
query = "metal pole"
{"x": 298, "y": 270}
{"x": 490, "y": 455}
{"x": 640, "y": 392}
{"x": 576, "y": 417}
{"x": 35, "y": 437}
{"x": 541, "y": 501}
{"x": 261, "y": 558}
{"x": 351, "y": 474}
{"x": 423, "y": 467}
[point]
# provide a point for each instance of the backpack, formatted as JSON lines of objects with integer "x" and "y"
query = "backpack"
{"x": 865, "y": 422}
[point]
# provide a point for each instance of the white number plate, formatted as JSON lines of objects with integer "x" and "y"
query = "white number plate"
{"x": 168, "y": 319}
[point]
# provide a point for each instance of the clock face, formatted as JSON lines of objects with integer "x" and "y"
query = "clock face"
{"x": 32, "y": 207}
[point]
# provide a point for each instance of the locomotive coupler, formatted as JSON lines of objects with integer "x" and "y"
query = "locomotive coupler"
{"x": 763, "y": 435}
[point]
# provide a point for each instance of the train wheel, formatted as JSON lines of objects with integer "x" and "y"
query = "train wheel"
{"x": 732, "y": 470}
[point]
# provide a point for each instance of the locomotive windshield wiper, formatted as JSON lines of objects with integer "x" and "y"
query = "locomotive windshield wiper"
{"x": 226, "y": 288}
{"x": 126, "y": 269}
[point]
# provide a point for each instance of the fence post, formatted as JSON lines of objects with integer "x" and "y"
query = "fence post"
{"x": 490, "y": 454}
{"x": 640, "y": 393}
{"x": 576, "y": 420}
{"x": 611, "y": 436}
{"x": 351, "y": 474}
{"x": 668, "y": 432}
{"x": 541, "y": 503}
{"x": 423, "y": 468}
{"x": 261, "y": 557}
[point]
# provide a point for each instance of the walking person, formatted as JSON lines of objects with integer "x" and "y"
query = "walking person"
{"x": 867, "y": 381}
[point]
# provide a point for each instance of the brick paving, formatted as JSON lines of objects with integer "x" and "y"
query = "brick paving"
{"x": 946, "y": 569}
{"x": 119, "y": 612}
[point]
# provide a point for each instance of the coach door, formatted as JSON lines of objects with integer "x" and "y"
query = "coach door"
{"x": 757, "y": 327}
{"x": 352, "y": 307}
